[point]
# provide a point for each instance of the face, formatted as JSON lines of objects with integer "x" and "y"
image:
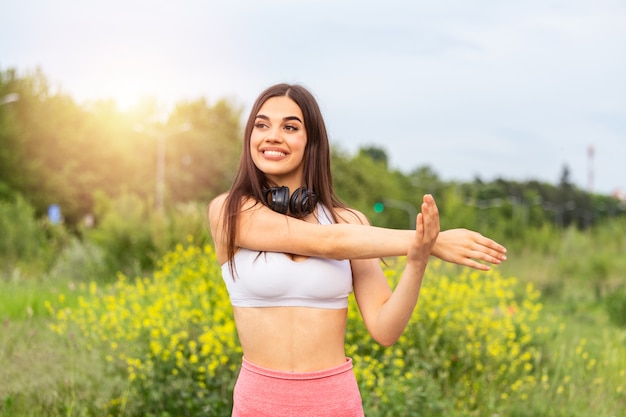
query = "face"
{"x": 278, "y": 141}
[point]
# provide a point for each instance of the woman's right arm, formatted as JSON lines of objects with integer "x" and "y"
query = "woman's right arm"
{"x": 260, "y": 228}
{"x": 263, "y": 229}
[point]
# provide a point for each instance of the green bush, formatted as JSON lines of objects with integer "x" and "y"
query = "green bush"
{"x": 25, "y": 242}
{"x": 172, "y": 337}
{"x": 616, "y": 307}
{"x": 133, "y": 236}
{"x": 80, "y": 261}
{"x": 477, "y": 344}
{"x": 471, "y": 344}
{"x": 124, "y": 233}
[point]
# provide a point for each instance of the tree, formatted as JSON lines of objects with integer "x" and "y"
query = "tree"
{"x": 57, "y": 152}
{"x": 376, "y": 154}
{"x": 9, "y": 145}
{"x": 202, "y": 162}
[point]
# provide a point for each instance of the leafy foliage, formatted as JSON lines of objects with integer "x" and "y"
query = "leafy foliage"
{"x": 25, "y": 242}
{"x": 472, "y": 342}
{"x": 56, "y": 152}
{"x": 616, "y": 307}
{"x": 475, "y": 345}
{"x": 171, "y": 336}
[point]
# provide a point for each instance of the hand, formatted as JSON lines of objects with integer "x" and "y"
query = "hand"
{"x": 426, "y": 231}
{"x": 466, "y": 247}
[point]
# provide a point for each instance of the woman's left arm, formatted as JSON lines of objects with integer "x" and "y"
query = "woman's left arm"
{"x": 385, "y": 312}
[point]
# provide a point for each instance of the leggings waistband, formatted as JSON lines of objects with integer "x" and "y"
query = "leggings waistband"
{"x": 344, "y": 367}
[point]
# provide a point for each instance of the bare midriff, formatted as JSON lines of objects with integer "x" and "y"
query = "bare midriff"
{"x": 292, "y": 339}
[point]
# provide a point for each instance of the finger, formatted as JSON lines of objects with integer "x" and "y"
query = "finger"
{"x": 490, "y": 244}
{"x": 476, "y": 265}
{"x": 435, "y": 209}
{"x": 495, "y": 253}
{"x": 433, "y": 204}
{"x": 419, "y": 227}
{"x": 431, "y": 213}
{"x": 430, "y": 201}
{"x": 431, "y": 224}
{"x": 485, "y": 257}
{"x": 427, "y": 202}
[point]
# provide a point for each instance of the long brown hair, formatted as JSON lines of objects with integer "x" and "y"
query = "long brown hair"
{"x": 250, "y": 182}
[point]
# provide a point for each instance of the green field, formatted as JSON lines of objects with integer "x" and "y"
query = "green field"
{"x": 570, "y": 341}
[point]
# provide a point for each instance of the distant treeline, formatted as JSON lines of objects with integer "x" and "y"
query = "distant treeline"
{"x": 57, "y": 153}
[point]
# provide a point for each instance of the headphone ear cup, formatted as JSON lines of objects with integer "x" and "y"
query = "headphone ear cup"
{"x": 302, "y": 202}
{"x": 277, "y": 198}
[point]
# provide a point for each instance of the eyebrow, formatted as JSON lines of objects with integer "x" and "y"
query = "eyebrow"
{"x": 264, "y": 117}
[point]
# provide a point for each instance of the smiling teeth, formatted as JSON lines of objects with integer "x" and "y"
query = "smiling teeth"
{"x": 275, "y": 153}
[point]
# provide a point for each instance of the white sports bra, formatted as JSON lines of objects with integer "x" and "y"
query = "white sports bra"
{"x": 271, "y": 279}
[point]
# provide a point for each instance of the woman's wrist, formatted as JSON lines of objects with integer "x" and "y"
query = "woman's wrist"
{"x": 435, "y": 251}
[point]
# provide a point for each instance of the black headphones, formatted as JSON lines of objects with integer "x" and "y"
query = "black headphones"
{"x": 301, "y": 203}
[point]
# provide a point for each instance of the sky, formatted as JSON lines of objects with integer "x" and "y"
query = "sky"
{"x": 484, "y": 88}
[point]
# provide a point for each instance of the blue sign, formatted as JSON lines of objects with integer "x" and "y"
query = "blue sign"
{"x": 54, "y": 214}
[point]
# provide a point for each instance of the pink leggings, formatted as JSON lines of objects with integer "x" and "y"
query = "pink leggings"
{"x": 265, "y": 392}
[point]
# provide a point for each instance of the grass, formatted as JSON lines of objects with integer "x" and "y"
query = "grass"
{"x": 585, "y": 332}
{"x": 36, "y": 370}
{"x": 590, "y": 358}
{"x": 23, "y": 297}
{"x": 43, "y": 374}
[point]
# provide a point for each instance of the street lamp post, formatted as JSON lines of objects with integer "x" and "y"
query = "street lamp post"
{"x": 161, "y": 138}
{"x": 160, "y": 171}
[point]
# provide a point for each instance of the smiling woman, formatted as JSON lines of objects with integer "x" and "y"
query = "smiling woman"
{"x": 289, "y": 268}
{"x": 278, "y": 141}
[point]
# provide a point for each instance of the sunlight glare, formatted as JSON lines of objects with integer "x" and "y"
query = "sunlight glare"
{"x": 129, "y": 79}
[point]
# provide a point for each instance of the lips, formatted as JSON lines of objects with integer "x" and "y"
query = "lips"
{"x": 274, "y": 153}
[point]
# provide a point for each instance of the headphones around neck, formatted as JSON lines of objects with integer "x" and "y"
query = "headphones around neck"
{"x": 301, "y": 203}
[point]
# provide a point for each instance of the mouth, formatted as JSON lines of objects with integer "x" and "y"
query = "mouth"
{"x": 274, "y": 153}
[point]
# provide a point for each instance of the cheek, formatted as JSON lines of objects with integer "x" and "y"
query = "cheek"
{"x": 251, "y": 149}
{"x": 254, "y": 140}
{"x": 253, "y": 155}
{"x": 299, "y": 143}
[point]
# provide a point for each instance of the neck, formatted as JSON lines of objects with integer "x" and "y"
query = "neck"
{"x": 291, "y": 183}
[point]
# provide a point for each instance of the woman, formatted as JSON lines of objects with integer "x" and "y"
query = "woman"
{"x": 291, "y": 253}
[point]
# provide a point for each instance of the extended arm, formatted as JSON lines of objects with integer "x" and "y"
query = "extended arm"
{"x": 262, "y": 229}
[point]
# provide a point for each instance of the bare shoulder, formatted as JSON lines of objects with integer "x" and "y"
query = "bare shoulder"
{"x": 350, "y": 215}
{"x": 218, "y": 201}
{"x": 217, "y": 206}
{"x": 215, "y": 209}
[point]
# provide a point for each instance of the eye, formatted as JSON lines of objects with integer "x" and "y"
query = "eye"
{"x": 291, "y": 128}
{"x": 260, "y": 125}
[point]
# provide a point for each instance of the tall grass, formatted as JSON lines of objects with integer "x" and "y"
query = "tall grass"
{"x": 45, "y": 376}
{"x": 478, "y": 344}
{"x": 573, "y": 365}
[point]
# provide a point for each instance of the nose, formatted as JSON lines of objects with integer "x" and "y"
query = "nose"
{"x": 274, "y": 135}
